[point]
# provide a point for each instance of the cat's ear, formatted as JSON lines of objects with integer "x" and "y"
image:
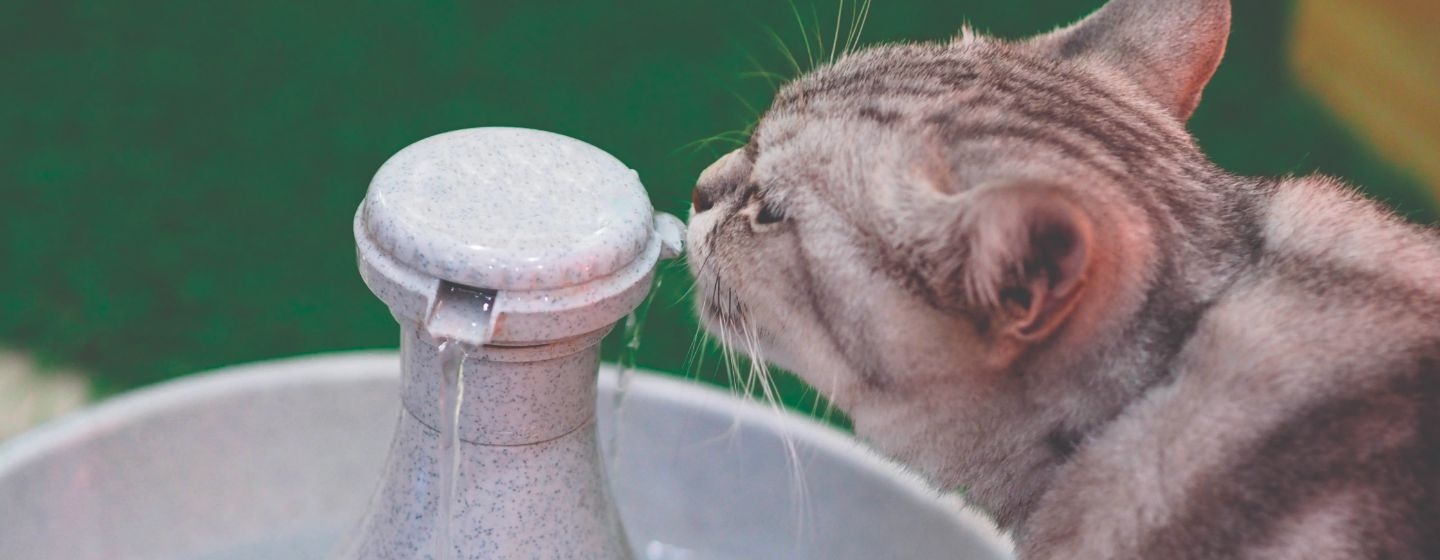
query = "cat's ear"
{"x": 1028, "y": 251}
{"x": 1170, "y": 47}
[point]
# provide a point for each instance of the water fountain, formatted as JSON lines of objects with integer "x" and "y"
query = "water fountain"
{"x": 505, "y": 255}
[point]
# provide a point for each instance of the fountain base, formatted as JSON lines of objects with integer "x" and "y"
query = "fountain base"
{"x": 278, "y": 460}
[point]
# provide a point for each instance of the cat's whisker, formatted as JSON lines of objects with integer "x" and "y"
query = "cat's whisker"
{"x": 767, "y": 75}
{"x": 804, "y": 36}
{"x": 830, "y": 398}
{"x": 785, "y": 50}
{"x": 685, "y": 295}
{"x": 858, "y": 27}
{"x": 733, "y": 432}
{"x": 707, "y": 141}
{"x": 732, "y": 369}
{"x": 735, "y": 136}
{"x": 754, "y": 113}
{"x": 772, "y": 78}
{"x": 694, "y": 354}
{"x": 819, "y": 36}
{"x": 850, "y": 31}
{"x": 700, "y": 345}
{"x": 760, "y": 370}
{"x": 749, "y": 375}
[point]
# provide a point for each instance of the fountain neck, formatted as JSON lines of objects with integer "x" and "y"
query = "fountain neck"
{"x": 512, "y": 396}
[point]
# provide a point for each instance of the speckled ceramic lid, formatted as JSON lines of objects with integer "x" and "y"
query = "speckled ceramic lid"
{"x": 508, "y": 209}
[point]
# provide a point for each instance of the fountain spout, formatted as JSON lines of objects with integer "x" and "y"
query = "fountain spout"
{"x": 524, "y": 248}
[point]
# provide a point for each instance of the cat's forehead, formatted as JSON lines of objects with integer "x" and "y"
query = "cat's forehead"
{"x": 850, "y": 103}
{"x": 894, "y": 71}
{"x": 889, "y": 85}
{"x": 981, "y": 104}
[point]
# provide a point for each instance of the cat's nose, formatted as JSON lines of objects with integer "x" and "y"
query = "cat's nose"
{"x": 721, "y": 177}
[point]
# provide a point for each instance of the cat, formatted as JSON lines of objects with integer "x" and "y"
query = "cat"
{"x": 1014, "y": 269}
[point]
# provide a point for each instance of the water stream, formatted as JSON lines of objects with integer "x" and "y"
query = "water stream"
{"x": 463, "y": 322}
{"x": 452, "y": 394}
{"x": 625, "y": 368}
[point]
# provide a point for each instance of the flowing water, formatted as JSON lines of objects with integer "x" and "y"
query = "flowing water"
{"x": 463, "y": 322}
{"x": 452, "y": 394}
{"x": 464, "y": 314}
{"x": 625, "y": 369}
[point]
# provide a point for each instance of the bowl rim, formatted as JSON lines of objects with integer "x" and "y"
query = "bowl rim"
{"x": 348, "y": 367}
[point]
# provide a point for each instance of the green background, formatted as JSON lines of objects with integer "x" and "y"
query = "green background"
{"x": 177, "y": 179}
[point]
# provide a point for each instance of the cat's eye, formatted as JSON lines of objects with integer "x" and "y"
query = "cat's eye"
{"x": 769, "y": 213}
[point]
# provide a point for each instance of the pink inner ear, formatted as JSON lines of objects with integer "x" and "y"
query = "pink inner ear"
{"x": 1059, "y": 249}
{"x": 1060, "y": 244}
{"x": 1029, "y": 252}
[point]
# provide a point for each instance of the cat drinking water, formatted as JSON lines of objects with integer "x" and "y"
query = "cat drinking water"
{"x": 1016, "y": 271}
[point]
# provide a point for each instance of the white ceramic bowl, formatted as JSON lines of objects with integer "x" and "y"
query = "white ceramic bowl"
{"x": 276, "y": 460}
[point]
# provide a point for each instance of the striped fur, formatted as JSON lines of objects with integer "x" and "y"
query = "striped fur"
{"x": 1205, "y": 365}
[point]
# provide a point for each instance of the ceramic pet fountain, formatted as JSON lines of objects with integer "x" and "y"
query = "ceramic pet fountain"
{"x": 505, "y": 255}
{"x": 520, "y": 249}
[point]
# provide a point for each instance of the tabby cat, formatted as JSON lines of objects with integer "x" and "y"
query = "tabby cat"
{"x": 1014, "y": 269}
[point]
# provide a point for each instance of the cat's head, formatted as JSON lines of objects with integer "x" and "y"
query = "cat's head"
{"x": 919, "y": 218}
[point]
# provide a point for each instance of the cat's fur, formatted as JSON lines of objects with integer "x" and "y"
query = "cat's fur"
{"x": 1015, "y": 270}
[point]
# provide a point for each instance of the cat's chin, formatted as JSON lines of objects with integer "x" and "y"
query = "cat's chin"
{"x": 821, "y": 370}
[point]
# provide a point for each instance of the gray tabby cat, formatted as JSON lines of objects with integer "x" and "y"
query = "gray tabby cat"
{"x": 1015, "y": 270}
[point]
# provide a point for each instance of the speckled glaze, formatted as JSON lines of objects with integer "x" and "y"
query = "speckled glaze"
{"x": 508, "y": 209}
{"x": 530, "y": 482}
{"x": 513, "y": 396}
{"x": 564, "y": 235}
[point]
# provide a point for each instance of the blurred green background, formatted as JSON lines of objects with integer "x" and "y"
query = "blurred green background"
{"x": 177, "y": 179}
